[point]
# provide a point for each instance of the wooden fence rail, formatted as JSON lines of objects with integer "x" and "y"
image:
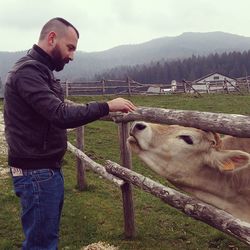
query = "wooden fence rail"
{"x": 193, "y": 207}
{"x": 96, "y": 167}
{"x": 129, "y": 87}
{"x": 232, "y": 124}
{"x": 104, "y": 87}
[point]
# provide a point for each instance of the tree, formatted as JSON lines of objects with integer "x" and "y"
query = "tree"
{"x": 233, "y": 64}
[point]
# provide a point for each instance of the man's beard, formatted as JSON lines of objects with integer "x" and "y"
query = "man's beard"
{"x": 59, "y": 61}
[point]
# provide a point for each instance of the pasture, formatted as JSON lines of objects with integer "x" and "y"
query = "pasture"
{"x": 96, "y": 214}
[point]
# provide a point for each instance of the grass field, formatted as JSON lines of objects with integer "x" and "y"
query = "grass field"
{"x": 96, "y": 214}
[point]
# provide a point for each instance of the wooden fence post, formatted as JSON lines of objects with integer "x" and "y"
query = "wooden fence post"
{"x": 103, "y": 86}
{"x": 184, "y": 87}
{"x": 129, "y": 87}
{"x": 66, "y": 89}
{"x": 225, "y": 87}
{"x": 81, "y": 177}
{"x": 127, "y": 194}
{"x": 207, "y": 87}
{"x": 191, "y": 87}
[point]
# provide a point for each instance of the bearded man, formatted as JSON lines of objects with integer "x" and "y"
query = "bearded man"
{"x": 36, "y": 119}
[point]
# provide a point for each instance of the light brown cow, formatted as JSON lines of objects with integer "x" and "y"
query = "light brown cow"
{"x": 193, "y": 161}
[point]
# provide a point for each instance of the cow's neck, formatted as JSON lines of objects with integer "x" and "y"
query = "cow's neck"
{"x": 227, "y": 191}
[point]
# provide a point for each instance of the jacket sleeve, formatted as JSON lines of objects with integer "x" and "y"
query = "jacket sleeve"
{"x": 33, "y": 87}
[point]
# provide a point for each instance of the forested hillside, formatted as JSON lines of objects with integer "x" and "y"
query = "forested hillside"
{"x": 233, "y": 64}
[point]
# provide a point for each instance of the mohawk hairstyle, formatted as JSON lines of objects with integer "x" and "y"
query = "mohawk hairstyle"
{"x": 54, "y": 23}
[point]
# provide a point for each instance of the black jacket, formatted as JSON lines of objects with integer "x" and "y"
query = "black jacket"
{"x": 36, "y": 116}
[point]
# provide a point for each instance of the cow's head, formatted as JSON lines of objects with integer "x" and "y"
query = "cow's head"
{"x": 173, "y": 150}
{"x": 193, "y": 161}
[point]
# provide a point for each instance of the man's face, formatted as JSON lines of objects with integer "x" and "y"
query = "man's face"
{"x": 64, "y": 50}
{"x": 58, "y": 58}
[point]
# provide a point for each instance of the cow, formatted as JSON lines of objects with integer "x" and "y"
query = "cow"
{"x": 193, "y": 160}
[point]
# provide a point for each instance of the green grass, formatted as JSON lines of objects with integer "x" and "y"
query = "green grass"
{"x": 96, "y": 214}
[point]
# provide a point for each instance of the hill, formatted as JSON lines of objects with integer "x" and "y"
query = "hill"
{"x": 86, "y": 65}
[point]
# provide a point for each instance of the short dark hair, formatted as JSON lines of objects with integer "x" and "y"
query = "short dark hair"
{"x": 54, "y": 23}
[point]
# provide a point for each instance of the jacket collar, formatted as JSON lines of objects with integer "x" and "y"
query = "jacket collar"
{"x": 40, "y": 55}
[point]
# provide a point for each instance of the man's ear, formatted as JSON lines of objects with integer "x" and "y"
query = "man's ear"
{"x": 230, "y": 160}
{"x": 52, "y": 39}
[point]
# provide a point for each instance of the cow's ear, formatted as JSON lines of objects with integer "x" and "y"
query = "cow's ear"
{"x": 230, "y": 160}
{"x": 217, "y": 143}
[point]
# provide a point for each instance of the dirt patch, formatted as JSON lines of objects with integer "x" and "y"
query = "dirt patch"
{"x": 4, "y": 170}
{"x": 100, "y": 246}
{"x": 4, "y": 173}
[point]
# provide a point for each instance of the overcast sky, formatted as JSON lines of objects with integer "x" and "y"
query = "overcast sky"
{"x": 104, "y": 24}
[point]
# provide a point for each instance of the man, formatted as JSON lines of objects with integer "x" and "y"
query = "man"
{"x": 36, "y": 119}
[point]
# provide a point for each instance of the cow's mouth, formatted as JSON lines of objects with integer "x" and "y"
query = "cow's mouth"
{"x": 133, "y": 142}
{"x": 132, "y": 139}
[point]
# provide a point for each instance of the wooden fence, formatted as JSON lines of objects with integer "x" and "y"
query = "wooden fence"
{"x": 131, "y": 87}
{"x": 114, "y": 87}
{"x": 123, "y": 176}
{"x": 104, "y": 87}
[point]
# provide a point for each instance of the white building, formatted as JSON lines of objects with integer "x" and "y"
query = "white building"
{"x": 215, "y": 82}
{"x": 170, "y": 90}
{"x": 154, "y": 90}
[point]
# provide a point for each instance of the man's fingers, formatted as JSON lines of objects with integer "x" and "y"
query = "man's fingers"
{"x": 121, "y": 104}
{"x": 130, "y": 105}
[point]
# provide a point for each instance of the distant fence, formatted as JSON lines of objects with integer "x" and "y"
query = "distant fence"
{"x": 131, "y": 87}
{"x": 124, "y": 177}
{"x": 240, "y": 86}
{"x": 114, "y": 87}
{"x": 104, "y": 87}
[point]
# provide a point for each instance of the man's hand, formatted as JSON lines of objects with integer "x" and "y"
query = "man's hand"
{"x": 121, "y": 104}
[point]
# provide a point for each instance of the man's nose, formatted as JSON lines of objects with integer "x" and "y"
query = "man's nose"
{"x": 71, "y": 56}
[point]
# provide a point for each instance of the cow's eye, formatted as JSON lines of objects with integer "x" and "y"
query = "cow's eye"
{"x": 187, "y": 139}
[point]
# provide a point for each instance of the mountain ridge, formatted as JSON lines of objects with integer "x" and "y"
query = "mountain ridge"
{"x": 87, "y": 64}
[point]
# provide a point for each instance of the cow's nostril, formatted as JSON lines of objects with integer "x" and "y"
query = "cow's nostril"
{"x": 140, "y": 126}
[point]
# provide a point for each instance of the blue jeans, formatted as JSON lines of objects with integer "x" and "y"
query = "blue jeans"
{"x": 41, "y": 194}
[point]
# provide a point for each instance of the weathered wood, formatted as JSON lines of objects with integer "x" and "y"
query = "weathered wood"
{"x": 66, "y": 89}
{"x": 184, "y": 87}
{"x": 193, "y": 207}
{"x": 231, "y": 124}
{"x": 103, "y": 86}
{"x": 208, "y": 87}
{"x": 127, "y": 193}
{"x": 125, "y": 154}
{"x": 225, "y": 87}
{"x": 126, "y": 86}
{"x": 80, "y": 165}
{"x": 235, "y": 87}
{"x": 191, "y": 87}
{"x": 129, "y": 87}
{"x": 96, "y": 167}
